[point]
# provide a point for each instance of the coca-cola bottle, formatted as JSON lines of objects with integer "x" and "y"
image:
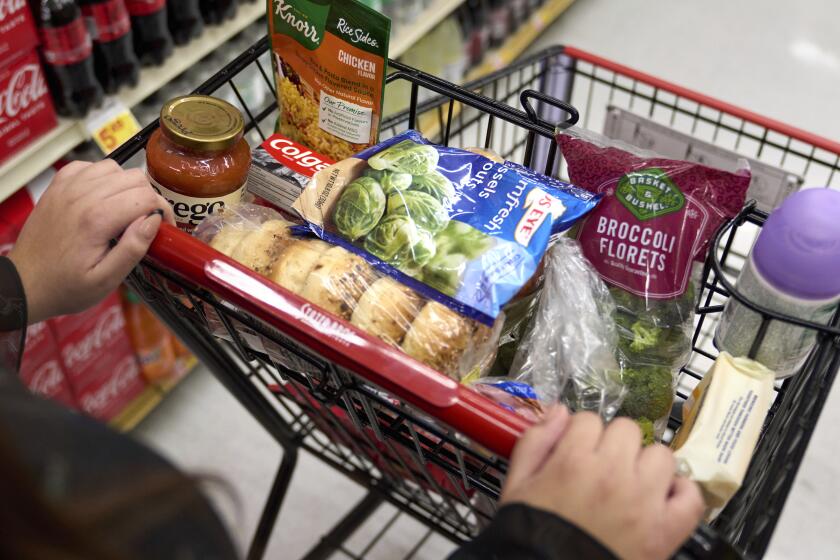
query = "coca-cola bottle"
{"x": 152, "y": 40}
{"x": 185, "y": 21}
{"x": 216, "y": 11}
{"x": 68, "y": 57}
{"x": 113, "y": 51}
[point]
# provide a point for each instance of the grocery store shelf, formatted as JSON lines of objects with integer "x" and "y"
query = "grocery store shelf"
{"x": 152, "y": 396}
{"x": 513, "y": 48}
{"x": 404, "y": 36}
{"x": 69, "y": 133}
{"x": 519, "y": 42}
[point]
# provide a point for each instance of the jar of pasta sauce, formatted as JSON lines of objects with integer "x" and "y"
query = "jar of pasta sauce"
{"x": 198, "y": 159}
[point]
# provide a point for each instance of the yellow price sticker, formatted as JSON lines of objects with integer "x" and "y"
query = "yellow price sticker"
{"x": 112, "y": 125}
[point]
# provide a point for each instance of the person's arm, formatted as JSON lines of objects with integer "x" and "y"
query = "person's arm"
{"x": 64, "y": 260}
{"x": 13, "y": 316}
{"x": 525, "y": 533}
{"x": 65, "y": 254}
{"x": 577, "y": 489}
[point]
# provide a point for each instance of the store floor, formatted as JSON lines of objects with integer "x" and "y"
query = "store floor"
{"x": 775, "y": 57}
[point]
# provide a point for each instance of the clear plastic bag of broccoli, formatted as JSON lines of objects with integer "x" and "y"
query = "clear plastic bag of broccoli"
{"x": 647, "y": 240}
{"x": 568, "y": 351}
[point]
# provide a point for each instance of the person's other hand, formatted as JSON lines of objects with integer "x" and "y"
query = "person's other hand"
{"x": 602, "y": 480}
{"x": 64, "y": 254}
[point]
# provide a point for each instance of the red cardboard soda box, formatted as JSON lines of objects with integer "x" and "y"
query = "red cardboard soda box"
{"x": 13, "y": 213}
{"x": 40, "y": 368}
{"x": 17, "y": 29}
{"x": 111, "y": 389}
{"x": 97, "y": 356}
{"x": 26, "y": 109}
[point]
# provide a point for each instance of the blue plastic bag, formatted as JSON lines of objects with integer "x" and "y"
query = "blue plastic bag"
{"x": 454, "y": 225}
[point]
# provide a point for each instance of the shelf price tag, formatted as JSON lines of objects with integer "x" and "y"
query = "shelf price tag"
{"x": 111, "y": 125}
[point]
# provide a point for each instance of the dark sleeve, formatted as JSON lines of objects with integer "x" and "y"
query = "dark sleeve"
{"x": 13, "y": 316}
{"x": 524, "y": 533}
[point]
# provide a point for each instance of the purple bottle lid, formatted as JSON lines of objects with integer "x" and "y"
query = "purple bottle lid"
{"x": 798, "y": 249}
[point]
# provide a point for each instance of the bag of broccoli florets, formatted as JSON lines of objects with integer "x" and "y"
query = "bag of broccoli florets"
{"x": 454, "y": 225}
{"x": 647, "y": 239}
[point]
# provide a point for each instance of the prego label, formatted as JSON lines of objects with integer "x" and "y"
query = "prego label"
{"x": 191, "y": 210}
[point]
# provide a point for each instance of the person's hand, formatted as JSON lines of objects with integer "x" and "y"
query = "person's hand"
{"x": 602, "y": 480}
{"x": 64, "y": 254}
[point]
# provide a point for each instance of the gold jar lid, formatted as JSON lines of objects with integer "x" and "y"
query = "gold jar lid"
{"x": 202, "y": 123}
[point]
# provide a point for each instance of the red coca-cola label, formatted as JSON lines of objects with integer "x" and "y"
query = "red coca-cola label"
{"x": 48, "y": 379}
{"x": 108, "y": 395}
{"x": 17, "y": 30}
{"x": 144, "y": 7}
{"x": 65, "y": 45}
{"x": 10, "y": 8}
{"x": 294, "y": 156}
{"x": 107, "y": 21}
{"x": 25, "y": 87}
{"x": 110, "y": 325}
{"x": 26, "y": 109}
{"x": 41, "y": 369}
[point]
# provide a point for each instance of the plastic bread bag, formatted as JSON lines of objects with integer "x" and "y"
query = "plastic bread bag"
{"x": 647, "y": 240}
{"x": 349, "y": 287}
{"x": 459, "y": 228}
{"x": 711, "y": 448}
{"x": 568, "y": 351}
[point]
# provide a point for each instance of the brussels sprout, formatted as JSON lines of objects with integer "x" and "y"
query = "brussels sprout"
{"x": 391, "y": 181}
{"x": 435, "y": 184}
{"x": 393, "y": 239}
{"x": 459, "y": 237}
{"x": 406, "y": 157}
{"x": 444, "y": 272}
{"x": 359, "y": 208}
{"x": 423, "y": 251}
{"x": 424, "y": 209}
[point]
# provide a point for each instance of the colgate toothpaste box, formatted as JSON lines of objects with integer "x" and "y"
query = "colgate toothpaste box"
{"x": 26, "y": 109}
{"x": 40, "y": 368}
{"x": 17, "y": 29}
{"x": 280, "y": 169}
{"x": 97, "y": 355}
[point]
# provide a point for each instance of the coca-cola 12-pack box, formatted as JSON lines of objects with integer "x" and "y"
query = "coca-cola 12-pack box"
{"x": 40, "y": 368}
{"x": 17, "y": 29}
{"x": 26, "y": 109}
{"x": 97, "y": 356}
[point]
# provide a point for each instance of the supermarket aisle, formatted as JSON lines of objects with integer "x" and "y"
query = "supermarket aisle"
{"x": 771, "y": 56}
{"x": 778, "y": 59}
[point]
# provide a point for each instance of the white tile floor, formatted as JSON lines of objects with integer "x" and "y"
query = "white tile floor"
{"x": 775, "y": 57}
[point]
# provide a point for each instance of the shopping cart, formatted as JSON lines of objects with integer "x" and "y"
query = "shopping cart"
{"x": 432, "y": 448}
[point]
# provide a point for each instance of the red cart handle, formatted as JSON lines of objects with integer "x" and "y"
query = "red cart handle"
{"x": 338, "y": 341}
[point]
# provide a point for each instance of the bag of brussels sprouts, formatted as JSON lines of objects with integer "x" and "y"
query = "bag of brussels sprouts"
{"x": 454, "y": 225}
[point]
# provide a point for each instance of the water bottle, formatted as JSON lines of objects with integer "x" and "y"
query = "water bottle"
{"x": 793, "y": 269}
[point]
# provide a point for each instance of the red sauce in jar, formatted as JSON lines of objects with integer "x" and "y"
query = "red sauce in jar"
{"x": 198, "y": 159}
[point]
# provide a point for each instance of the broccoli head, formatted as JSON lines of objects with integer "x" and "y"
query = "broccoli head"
{"x": 650, "y": 392}
{"x": 644, "y": 336}
{"x": 646, "y": 424}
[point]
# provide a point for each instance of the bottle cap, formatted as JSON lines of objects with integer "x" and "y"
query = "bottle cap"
{"x": 202, "y": 123}
{"x": 798, "y": 249}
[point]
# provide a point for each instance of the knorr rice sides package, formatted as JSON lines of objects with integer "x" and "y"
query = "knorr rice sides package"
{"x": 329, "y": 64}
{"x": 454, "y": 225}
